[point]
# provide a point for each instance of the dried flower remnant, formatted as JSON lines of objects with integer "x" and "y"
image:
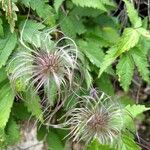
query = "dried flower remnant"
{"x": 96, "y": 117}
{"x": 52, "y": 63}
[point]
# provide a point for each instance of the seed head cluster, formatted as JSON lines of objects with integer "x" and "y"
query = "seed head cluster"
{"x": 41, "y": 66}
{"x": 95, "y": 118}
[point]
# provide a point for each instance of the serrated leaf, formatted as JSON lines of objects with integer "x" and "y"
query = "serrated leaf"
{"x": 42, "y": 9}
{"x": 99, "y": 4}
{"x": 69, "y": 26}
{"x": 95, "y": 145}
{"x": 93, "y": 51}
{"x": 141, "y": 62}
{"x": 31, "y": 31}
{"x": 32, "y": 102}
{"x": 54, "y": 142}
{"x": 128, "y": 40}
{"x": 136, "y": 110}
{"x": 6, "y": 102}
{"x": 108, "y": 59}
{"x": 125, "y": 70}
{"x": 110, "y": 34}
{"x": 57, "y": 4}
{"x": 12, "y": 132}
{"x": 133, "y": 14}
{"x": 7, "y": 46}
{"x": 128, "y": 143}
{"x": 132, "y": 112}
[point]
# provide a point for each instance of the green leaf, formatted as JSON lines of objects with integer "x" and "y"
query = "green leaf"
{"x": 57, "y": 4}
{"x": 105, "y": 84}
{"x": 85, "y": 11}
{"x": 6, "y": 102}
{"x": 136, "y": 110}
{"x": 41, "y": 132}
{"x": 132, "y": 112}
{"x": 51, "y": 90}
{"x": 3, "y": 74}
{"x": 7, "y": 46}
{"x": 133, "y": 14}
{"x": 92, "y": 51}
{"x": 88, "y": 78}
{"x": 32, "y": 102}
{"x": 145, "y": 33}
{"x": 110, "y": 34}
{"x": 141, "y": 62}
{"x": 108, "y": 59}
{"x": 54, "y": 142}
{"x": 95, "y": 145}
{"x": 20, "y": 111}
{"x": 125, "y": 70}
{"x": 42, "y": 9}
{"x": 31, "y": 31}
{"x": 12, "y": 132}
{"x": 99, "y": 4}
{"x": 1, "y": 28}
{"x": 128, "y": 143}
{"x": 128, "y": 40}
{"x": 69, "y": 26}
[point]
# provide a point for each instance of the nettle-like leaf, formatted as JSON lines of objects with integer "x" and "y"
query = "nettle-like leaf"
{"x": 132, "y": 112}
{"x": 69, "y": 26}
{"x": 125, "y": 70}
{"x": 10, "y": 9}
{"x": 136, "y": 110}
{"x": 141, "y": 61}
{"x": 95, "y": 145}
{"x": 99, "y": 4}
{"x": 128, "y": 40}
{"x": 93, "y": 51}
{"x": 7, "y": 46}
{"x": 30, "y": 31}
{"x": 42, "y": 9}
{"x": 12, "y": 132}
{"x": 127, "y": 143}
{"x": 32, "y": 102}
{"x": 57, "y": 4}
{"x": 133, "y": 14}
{"x": 6, "y": 102}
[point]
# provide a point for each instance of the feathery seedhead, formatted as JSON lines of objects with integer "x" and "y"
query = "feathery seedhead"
{"x": 42, "y": 66}
{"x": 96, "y": 117}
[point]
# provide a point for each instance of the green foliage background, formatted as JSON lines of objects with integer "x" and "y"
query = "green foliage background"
{"x": 111, "y": 52}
